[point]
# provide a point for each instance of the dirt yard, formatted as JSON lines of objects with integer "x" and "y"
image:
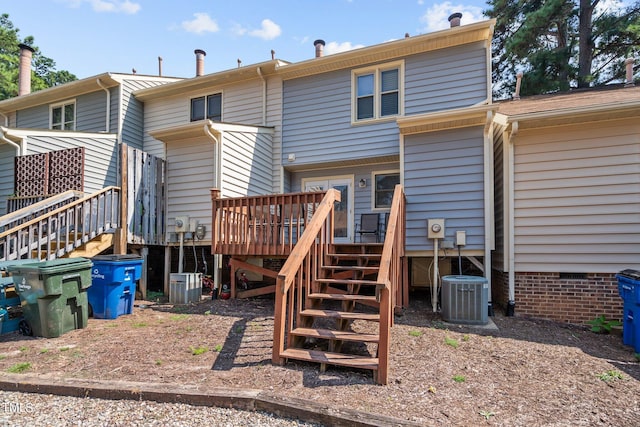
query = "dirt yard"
{"x": 522, "y": 373}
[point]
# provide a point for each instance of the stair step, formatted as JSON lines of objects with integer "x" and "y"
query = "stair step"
{"x": 342, "y": 297}
{"x": 333, "y": 314}
{"x": 348, "y": 282}
{"x": 371, "y": 269}
{"x": 355, "y": 256}
{"x": 335, "y": 335}
{"x": 350, "y": 360}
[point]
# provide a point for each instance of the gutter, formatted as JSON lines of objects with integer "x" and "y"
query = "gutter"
{"x": 108, "y": 115}
{"x": 264, "y": 97}
{"x": 217, "y": 258}
{"x": 20, "y": 147}
{"x": 489, "y": 230}
{"x": 512, "y": 251}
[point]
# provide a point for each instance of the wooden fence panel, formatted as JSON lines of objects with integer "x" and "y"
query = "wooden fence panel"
{"x": 146, "y": 198}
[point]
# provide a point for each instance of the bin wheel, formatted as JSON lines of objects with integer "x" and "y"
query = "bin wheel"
{"x": 90, "y": 310}
{"x": 25, "y": 328}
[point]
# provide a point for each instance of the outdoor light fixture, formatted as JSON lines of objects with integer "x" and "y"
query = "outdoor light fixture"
{"x": 362, "y": 183}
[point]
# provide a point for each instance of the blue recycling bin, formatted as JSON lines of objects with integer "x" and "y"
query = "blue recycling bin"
{"x": 113, "y": 285}
{"x": 629, "y": 290}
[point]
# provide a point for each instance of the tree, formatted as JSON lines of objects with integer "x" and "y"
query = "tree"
{"x": 43, "y": 73}
{"x": 560, "y": 44}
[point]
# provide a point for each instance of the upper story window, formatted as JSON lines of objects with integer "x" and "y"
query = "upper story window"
{"x": 377, "y": 92}
{"x": 209, "y": 107}
{"x": 384, "y": 183}
{"x": 63, "y": 116}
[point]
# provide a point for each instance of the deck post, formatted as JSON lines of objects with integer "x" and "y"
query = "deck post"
{"x": 121, "y": 234}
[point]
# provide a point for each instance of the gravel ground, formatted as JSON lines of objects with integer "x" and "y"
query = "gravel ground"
{"x": 28, "y": 409}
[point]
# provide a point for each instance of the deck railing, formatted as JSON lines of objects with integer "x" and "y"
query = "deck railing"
{"x": 25, "y": 208}
{"x": 302, "y": 268}
{"x": 261, "y": 225}
{"x": 62, "y": 230}
{"x": 389, "y": 279}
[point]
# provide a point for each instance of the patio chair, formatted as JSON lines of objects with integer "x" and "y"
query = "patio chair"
{"x": 369, "y": 226}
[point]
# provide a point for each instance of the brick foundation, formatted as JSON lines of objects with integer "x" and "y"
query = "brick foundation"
{"x": 547, "y": 296}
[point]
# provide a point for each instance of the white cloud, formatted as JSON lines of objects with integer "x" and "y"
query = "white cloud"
{"x": 110, "y": 6}
{"x": 269, "y": 30}
{"x": 436, "y": 16}
{"x": 335, "y": 47}
{"x": 202, "y": 23}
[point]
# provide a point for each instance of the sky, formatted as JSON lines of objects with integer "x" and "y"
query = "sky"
{"x": 91, "y": 37}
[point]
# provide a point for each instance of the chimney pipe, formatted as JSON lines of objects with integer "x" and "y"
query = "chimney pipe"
{"x": 454, "y": 19}
{"x": 24, "y": 73}
{"x": 200, "y": 54}
{"x": 319, "y": 44}
{"x": 516, "y": 95}
{"x": 273, "y": 54}
{"x": 629, "y": 65}
{"x": 160, "y": 66}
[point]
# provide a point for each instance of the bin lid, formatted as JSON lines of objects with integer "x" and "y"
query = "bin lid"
{"x": 114, "y": 257}
{"x": 4, "y": 265}
{"x": 54, "y": 265}
{"x": 630, "y": 273}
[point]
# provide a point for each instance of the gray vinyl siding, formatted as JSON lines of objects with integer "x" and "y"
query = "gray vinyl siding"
{"x": 33, "y": 118}
{"x": 317, "y": 123}
{"x": 445, "y": 79}
{"x": 498, "y": 257}
{"x": 100, "y": 156}
{"x": 132, "y": 111}
{"x": 7, "y": 163}
{"x": 444, "y": 178}
{"x": 190, "y": 177}
{"x": 91, "y": 113}
{"x": 246, "y": 164}
{"x": 577, "y": 198}
{"x": 241, "y": 104}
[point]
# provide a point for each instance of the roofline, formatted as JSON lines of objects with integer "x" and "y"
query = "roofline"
{"x": 476, "y": 115}
{"x": 547, "y": 118}
{"x": 249, "y": 72}
{"x": 69, "y": 90}
{"x": 200, "y": 128}
{"x": 464, "y": 34}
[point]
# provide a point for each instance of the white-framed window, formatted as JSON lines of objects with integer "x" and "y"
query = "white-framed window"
{"x": 209, "y": 107}
{"x": 377, "y": 92}
{"x": 384, "y": 183}
{"x": 63, "y": 115}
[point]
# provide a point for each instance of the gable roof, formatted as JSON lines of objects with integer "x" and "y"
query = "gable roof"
{"x": 605, "y": 103}
{"x": 72, "y": 89}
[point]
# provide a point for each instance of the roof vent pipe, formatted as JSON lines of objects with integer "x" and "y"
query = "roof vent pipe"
{"x": 319, "y": 44}
{"x": 160, "y": 66}
{"x": 516, "y": 95}
{"x": 200, "y": 54}
{"x": 629, "y": 65}
{"x": 273, "y": 54}
{"x": 24, "y": 73}
{"x": 454, "y": 19}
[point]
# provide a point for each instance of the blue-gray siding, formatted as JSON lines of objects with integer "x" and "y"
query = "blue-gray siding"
{"x": 247, "y": 167}
{"x": 317, "y": 109}
{"x": 7, "y": 155}
{"x": 444, "y": 178}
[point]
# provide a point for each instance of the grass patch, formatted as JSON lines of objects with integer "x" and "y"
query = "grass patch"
{"x": 3, "y": 356}
{"x": 19, "y": 367}
{"x": 459, "y": 378}
{"x": 44, "y": 350}
{"x": 217, "y": 348}
{"x": 451, "y": 342}
{"x": 139, "y": 324}
{"x": 611, "y": 375}
{"x": 196, "y": 351}
{"x": 158, "y": 362}
{"x": 64, "y": 348}
{"x": 23, "y": 349}
{"x": 178, "y": 317}
{"x": 415, "y": 333}
{"x": 207, "y": 313}
{"x": 486, "y": 414}
{"x": 466, "y": 338}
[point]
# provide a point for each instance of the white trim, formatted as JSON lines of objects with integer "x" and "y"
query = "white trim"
{"x": 376, "y": 70}
{"x": 373, "y": 188}
{"x": 61, "y": 105}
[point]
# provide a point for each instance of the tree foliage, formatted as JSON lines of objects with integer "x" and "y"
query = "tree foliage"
{"x": 561, "y": 44}
{"x": 43, "y": 72}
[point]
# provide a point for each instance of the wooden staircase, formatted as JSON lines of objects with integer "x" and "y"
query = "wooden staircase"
{"x": 343, "y": 297}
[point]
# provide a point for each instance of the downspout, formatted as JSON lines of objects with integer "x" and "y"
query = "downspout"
{"x": 264, "y": 97}
{"x": 489, "y": 230}
{"x": 512, "y": 252}
{"x": 217, "y": 258}
{"x": 6, "y": 120}
{"x": 108, "y": 119}
{"x": 19, "y": 147}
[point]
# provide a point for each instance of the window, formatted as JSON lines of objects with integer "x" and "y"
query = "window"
{"x": 209, "y": 107}
{"x": 63, "y": 116}
{"x": 377, "y": 92}
{"x": 384, "y": 184}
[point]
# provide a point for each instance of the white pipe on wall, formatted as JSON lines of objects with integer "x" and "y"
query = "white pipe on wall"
{"x": 108, "y": 115}
{"x": 434, "y": 286}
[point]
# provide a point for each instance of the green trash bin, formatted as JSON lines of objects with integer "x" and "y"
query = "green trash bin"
{"x": 53, "y": 295}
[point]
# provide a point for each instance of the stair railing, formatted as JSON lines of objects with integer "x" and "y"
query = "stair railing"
{"x": 23, "y": 209}
{"x": 390, "y": 278}
{"x": 300, "y": 269}
{"x": 62, "y": 230}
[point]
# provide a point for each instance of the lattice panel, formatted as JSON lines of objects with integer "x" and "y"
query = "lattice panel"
{"x": 66, "y": 170}
{"x": 31, "y": 174}
{"x": 50, "y": 173}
